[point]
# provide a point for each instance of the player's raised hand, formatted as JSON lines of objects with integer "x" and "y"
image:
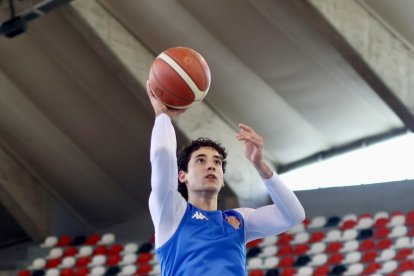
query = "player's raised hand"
{"x": 159, "y": 107}
{"x": 254, "y": 149}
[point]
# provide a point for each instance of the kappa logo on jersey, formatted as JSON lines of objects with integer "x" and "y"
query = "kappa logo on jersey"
{"x": 199, "y": 215}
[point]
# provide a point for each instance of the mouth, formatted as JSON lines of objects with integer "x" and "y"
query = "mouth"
{"x": 211, "y": 176}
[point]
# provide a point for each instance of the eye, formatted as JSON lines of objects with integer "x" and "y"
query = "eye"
{"x": 200, "y": 160}
{"x": 217, "y": 162}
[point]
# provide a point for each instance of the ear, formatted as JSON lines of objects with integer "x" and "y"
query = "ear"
{"x": 181, "y": 176}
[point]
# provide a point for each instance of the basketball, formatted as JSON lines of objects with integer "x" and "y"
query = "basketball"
{"x": 179, "y": 77}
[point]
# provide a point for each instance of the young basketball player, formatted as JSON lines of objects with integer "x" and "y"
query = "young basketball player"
{"x": 192, "y": 237}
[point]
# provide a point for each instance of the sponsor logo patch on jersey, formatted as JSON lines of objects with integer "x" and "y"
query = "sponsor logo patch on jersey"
{"x": 233, "y": 221}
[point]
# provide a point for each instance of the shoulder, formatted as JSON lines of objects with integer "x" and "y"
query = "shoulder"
{"x": 243, "y": 212}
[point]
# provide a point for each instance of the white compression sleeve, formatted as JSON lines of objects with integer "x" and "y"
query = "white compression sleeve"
{"x": 167, "y": 206}
{"x": 274, "y": 219}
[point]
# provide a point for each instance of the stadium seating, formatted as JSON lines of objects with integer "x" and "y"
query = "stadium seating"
{"x": 366, "y": 244}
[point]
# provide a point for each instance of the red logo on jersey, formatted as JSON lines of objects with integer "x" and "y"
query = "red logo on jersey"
{"x": 235, "y": 222}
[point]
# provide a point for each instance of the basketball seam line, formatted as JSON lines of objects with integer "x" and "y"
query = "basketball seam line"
{"x": 198, "y": 94}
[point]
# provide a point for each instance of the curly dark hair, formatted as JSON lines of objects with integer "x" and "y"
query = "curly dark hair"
{"x": 184, "y": 156}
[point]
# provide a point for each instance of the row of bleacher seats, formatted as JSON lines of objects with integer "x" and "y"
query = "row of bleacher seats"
{"x": 331, "y": 248}
{"x": 338, "y": 235}
{"x": 381, "y": 243}
{"x": 330, "y": 259}
{"x": 126, "y": 270}
{"x": 65, "y": 240}
{"x": 389, "y": 268}
{"x": 93, "y": 255}
{"x": 350, "y": 221}
{"x": 377, "y": 244}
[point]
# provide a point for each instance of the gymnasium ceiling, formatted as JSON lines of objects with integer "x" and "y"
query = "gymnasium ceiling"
{"x": 78, "y": 121}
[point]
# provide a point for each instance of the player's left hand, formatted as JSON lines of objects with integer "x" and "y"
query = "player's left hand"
{"x": 254, "y": 150}
{"x": 253, "y": 144}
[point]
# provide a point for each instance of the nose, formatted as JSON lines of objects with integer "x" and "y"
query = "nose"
{"x": 211, "y": 166}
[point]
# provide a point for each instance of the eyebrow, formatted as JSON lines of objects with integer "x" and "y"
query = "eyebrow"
{"x": 204, "y": 155}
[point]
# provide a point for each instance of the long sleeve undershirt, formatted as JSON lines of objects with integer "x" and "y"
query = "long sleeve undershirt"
{"x": 167, "y": 206}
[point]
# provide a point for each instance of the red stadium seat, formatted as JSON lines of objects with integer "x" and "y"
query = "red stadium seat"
{"x": 70, "y": 251}
{"x": 371, "y": 268}
{"x": 24, "y": 273}
{"x": 93, "y": 239}
{"x": 286, "y": 261}
{"x": 403, "y": 253}
{"x": 82, "y": 271}
{"x": 409, "y": 219}
{"x": 284, "y": 250}
{"x": 381, "y": 232}
{"x": 113, "y": 260}
{"x": 405, "y": 265}
{"x": 317, "y": 236}
{"x": 381, "y": 222}
{"x": 333, "y": 247}
{"x": 144, "y": 258}
{"x": 306, "y": 222}
{"x": 367, "y": 245}
{"x": 284, "y": 239}
{"x": 100, "y": 250}
{"x": 369, "y": 257}
{"x": 300, "y": 249}
{"x": 67, "y": 272}
{"x": 83, "y": 261}
{"x": 289, "y": 271}
{"x": 384, "y": 244}
{"x": 348, "y": 224}
{"x": 253, "y": 243}
{"x": 144, "y": 269}
{"x": 52, "y": 263}
{"x": 64, "y": 241}
{"x": 256, "y": 272}
{"x": 115, "y": 249}
{"x": 335, "y": 259}
{"x": 321, "y": 271}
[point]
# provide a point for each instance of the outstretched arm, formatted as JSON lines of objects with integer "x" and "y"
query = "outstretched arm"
{"x": 286, "y": 210}
{"x": 167, "y": 206}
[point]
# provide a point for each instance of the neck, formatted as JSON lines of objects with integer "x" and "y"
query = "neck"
{"x": 203, "y": 201}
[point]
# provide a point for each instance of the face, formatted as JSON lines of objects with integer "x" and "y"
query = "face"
{"x": 205, "y": 172}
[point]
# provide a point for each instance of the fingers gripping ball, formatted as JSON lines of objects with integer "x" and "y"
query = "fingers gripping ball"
{"x": 179, "y": 77}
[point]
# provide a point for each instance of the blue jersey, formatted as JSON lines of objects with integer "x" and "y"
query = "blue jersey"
{"x": 205, "y": 243}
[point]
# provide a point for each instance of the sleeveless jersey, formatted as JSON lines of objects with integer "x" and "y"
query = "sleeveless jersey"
{"x": 205, "y": 243}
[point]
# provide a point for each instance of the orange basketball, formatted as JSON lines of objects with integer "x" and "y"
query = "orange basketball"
{"x": 179, "y": 77}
